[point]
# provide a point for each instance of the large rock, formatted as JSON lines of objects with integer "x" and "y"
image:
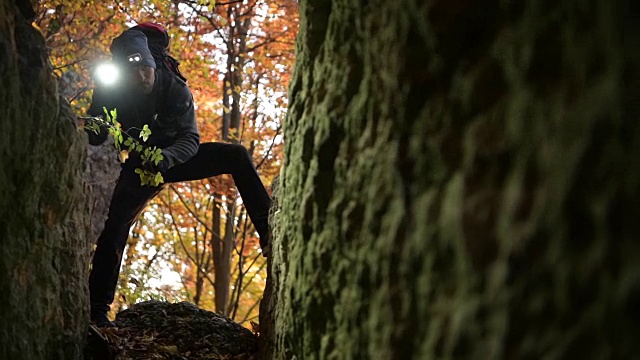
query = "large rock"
{"x": 461, "y": 180}
{"x": 180, "y": 331}
{"x": 102, "y": 169}
{"x": 44, "y": 216}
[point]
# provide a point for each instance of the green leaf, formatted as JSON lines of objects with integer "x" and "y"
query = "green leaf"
{"x": 143, "y": 176}
{"x": 92, "y": 126}
{"x": 158, "y": 179}
{"x": 130, "y": 144}
{"x": 146, "y": 154}
{"x": 210, "y": 4}
{"x": 145, "y": 133}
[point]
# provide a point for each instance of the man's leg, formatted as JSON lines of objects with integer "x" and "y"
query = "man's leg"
{"x": 221, "y": 158}
{"x": 128, "y": 200}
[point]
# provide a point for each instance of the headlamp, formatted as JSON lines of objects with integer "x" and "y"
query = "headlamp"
{"x": 107, "y": 73}
{"x": 135, "y": 58}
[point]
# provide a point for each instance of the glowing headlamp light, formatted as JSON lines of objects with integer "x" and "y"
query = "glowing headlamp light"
{"x": 135, "y": 58}
{"x": 107, "y": 73}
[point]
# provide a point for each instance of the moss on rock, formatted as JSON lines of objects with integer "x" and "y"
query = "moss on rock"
{"x": 460, "y": 182}
{"x": 43, "y": 210}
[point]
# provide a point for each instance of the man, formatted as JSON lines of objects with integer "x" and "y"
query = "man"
{"x": 158, "y": 98}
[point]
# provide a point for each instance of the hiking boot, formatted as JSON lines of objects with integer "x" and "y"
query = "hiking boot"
{"x": 266, "y": 250}
{"x": 265, "y": 244}
{"x": 102, "y": 321}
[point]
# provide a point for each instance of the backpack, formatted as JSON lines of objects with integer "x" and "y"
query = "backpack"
{"x": 158, "y": 41}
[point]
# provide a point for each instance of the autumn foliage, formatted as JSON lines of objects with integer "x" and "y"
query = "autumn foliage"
{"x": 194, "y": 242}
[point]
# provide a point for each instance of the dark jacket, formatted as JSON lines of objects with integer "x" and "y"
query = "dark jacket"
{"x": 168, "y": 110}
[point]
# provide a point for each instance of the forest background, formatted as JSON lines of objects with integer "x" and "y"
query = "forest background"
{"x": 194, "y": 241}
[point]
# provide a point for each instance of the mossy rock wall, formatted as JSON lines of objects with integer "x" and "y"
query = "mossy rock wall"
{"x": 44, "y": 217}
{"x": 461, "y": 180}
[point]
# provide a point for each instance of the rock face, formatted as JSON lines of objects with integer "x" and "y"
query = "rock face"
{"x": 462, "y": 180}
{"x": 275, "y": 271}
{"x": 101, "y": 173}
{"x": 44, "y": 217}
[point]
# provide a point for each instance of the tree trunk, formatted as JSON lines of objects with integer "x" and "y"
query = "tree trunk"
{"x": 232, "y": 116}
{"x": 223, "y": 266}
{"x": 462, "y": 182}
{"x": 44, "y": 212}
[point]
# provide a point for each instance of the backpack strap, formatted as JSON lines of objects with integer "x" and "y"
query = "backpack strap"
{"x": 166, "y": 78}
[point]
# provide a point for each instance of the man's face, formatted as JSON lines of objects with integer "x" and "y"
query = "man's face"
{"x": 142, "y": 78}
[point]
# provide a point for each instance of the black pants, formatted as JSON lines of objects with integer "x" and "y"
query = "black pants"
{"x": 129, "y": 199}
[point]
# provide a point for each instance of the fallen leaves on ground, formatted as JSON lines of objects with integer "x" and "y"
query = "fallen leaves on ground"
{"x": 181, "y": 331}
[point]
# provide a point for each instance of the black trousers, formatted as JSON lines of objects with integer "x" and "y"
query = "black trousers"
{"x": 129, "y": 199}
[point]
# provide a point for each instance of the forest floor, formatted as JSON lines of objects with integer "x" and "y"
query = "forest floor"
{"x": 180, "y": 331}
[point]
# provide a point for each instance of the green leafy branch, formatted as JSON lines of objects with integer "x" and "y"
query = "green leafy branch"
{"x": 148, "y": 154}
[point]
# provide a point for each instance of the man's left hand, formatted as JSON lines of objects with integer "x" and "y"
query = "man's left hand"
{"x": 151, "y": 167}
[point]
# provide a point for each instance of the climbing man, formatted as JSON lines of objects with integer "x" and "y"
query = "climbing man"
{"x": 151, "y": 94}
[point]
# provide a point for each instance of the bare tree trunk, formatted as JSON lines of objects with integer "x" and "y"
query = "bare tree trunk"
{"x": 223, "y": 267}
{"x": 227, "y": 86}
{"x": 232, "y": 116}
{"x": 199, "y": 287}
{"x": 199, "y": 263}
{"x": 226, "y": 103}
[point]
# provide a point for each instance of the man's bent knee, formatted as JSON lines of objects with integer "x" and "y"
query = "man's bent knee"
{"x": 239, "y": 151}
